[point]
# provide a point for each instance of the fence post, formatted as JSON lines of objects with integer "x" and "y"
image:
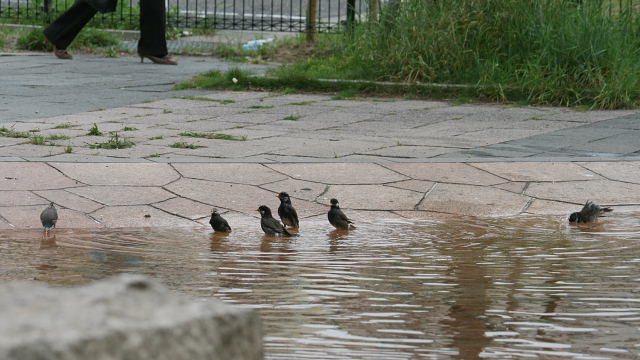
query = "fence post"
{"x": 312, "y": 19}
{"x": 351, "y": 12}
{"x": 374, "y": 9}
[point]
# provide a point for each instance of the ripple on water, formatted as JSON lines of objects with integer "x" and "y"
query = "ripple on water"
{"x": 524, "y": 287}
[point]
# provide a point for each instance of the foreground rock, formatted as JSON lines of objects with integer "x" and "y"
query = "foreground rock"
{"x": 127, "y": 317}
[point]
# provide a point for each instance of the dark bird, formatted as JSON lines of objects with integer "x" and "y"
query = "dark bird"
{"x": 269, "y": 225}
{"x": 590, "y": 212}
{"x": 49, "y": 217}
{"x": 287, "y": 213}
{"x": 336, "y": 217}
{"x": 218, "y": 223}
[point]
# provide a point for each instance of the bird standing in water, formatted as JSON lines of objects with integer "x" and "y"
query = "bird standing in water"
{"x": 589, "y": 213}
{"x": 218, "y": 223}
{"x": 49, "y": 217}
{"x": 269, "y": 225}
{"x": 336, "y": 217}
{"x": 287, "y": 213}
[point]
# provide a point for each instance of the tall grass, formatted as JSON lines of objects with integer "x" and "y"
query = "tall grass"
{"x": 561, "y": 52}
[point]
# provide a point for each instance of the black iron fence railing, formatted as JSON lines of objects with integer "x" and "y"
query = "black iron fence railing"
{"x": 263, "y": 15}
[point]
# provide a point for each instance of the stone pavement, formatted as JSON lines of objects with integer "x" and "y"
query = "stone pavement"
{"x": 382, "y": 158}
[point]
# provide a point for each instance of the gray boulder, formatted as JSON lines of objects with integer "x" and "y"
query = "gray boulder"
{"x": 127, "y": 317}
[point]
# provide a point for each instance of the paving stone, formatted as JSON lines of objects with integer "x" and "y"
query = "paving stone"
{"x": 20, "y": 198}
{"x": 546, "y": 207}
{"x": 250, "y": 174}
{"x": 238, "y": 197}
{"x": 28, "y": 217}
{"x": 339, "y": 173}
{"x": 144, "y": 174}
{"x": 298, "y": 189}
{"x": 31, "y": 176}
{"x": 69, "y": 200}
{"x": 136, "y": 216}
{"x": 424, "y": 215}
{"x": 372, "y": 197}
{"x": 186, "y": 208}
{"x": 445, "y": 172}
{"x": 473, "y": 201}
{"x": 514, "y": 187}
{"x": 28, "y": 150}
{"x": 537, "y": 171}
{"x": 9, "y": 141}
{"x": 620, "y": 171}
{"x": 604, "y": 192}
{"x": 123, "y": 195}
{"x": 409, "y": 152}
{"x": 415, "y": 185}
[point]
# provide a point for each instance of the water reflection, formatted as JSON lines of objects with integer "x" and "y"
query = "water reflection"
{"x": 467, "y": 288}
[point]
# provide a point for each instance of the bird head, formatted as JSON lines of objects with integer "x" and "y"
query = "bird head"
{"x": 334, "y": 202}
{"x": 214, "y": 211}
{"x": 282, "y": 196}
{"x": 573, "y": 217}
{"x": 264, "y": 210}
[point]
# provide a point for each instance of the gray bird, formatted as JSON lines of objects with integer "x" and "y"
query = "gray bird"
{"x": 269, "y": 224}
{"x": 49, "y": 217}
{"x": 218, "y": 223}
{"x": 590, "y": 212}
{"x": 336, "y": 217}
{"x": 287, "y": 213}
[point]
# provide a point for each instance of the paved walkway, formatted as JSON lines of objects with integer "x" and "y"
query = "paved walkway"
{"x": 193, "y": 150}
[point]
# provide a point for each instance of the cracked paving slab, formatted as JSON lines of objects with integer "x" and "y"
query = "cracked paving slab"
{"x": 184, "y": 194}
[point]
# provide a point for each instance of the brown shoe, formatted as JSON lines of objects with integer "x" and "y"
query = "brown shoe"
{"x": 62, "y": 54}
{"x": 165, "y": 60}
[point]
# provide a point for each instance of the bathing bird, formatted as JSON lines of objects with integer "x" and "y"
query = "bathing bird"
{"x": 218, "y": 223}
{"x": 269, "y": 225}
{"x": 336, "y": 217}
{"x": 286, "y": 211}
{"x": 590, "y": 212}
{"x": 49, "y": 217}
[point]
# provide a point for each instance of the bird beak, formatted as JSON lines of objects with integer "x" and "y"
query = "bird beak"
{"x": 258, "y": 210}
{"x": 278, "y": 196}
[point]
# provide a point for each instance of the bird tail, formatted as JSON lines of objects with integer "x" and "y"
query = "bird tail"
{"x": 607, "y": 209}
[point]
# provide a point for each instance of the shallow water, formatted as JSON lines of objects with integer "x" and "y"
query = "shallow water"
{"x": 467, "y": 288}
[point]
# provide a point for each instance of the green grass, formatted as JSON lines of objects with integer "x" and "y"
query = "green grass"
{"x": 156, "y": 137}
{"x": 37, "y": 140}
{"x": 56, "y": 137}
{"x": 184, "y": 145}
{"x": 94, "y": 131}
{"x": 538, "y": 52}
{"x": 6, "y": 132}
{"x": 291, "y": 117}
{"x": 68, "y": 149}
{"x": 64, "y": 126}
{"x": 218, "y": 136}
{"x": 261, "y": 107}
{"x": 129, "y": 128}
{"x": 88, "y": 38}
{"x": 114, "y": 142}
{"x": 200, "y": 98}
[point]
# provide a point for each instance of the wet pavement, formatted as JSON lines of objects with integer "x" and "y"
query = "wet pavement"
{"x": 192, "y": 150}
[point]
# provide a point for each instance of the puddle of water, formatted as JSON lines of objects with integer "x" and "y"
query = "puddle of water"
{"x": 466, "y": 288}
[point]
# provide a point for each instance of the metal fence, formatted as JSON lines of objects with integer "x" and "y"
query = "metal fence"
{"x": 263, "y": 15}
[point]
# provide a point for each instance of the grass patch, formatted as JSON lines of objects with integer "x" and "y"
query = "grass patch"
{"x": 156, "y": 137}
{"x": 567, "y": 53}
{"x": 301, "y": 103}
{"x": 37, "y": 140}
{"x": 68, "y": 149}
{"x": 218, "y": 136}
{"x": 56, "y": 137}
{"x": 64, "y": 126}
{"x": 345, "y": 94}
{"x": 88, "y": 38}
{"x": 291, "y": 117}
{"x": 261, "y": 107}
{"x": 94, "y": 131}
{"x": 114, "y": 142}
{"x": 6, "y": 132}
{"x": 129, "y": 128}
{"x": 184, "y": 145}
{"x": 200, "y": 98}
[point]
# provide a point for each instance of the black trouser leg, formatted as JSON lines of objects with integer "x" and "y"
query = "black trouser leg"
{"x": 64, "y": 29}
{"x": 153, "y": 23}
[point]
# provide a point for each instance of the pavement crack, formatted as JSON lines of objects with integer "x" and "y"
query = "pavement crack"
{"x": 424, "y": 197}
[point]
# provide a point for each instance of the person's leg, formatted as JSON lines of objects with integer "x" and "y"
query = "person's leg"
{"x": 64, "y": 29}
{"x": 153, "y": 19}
